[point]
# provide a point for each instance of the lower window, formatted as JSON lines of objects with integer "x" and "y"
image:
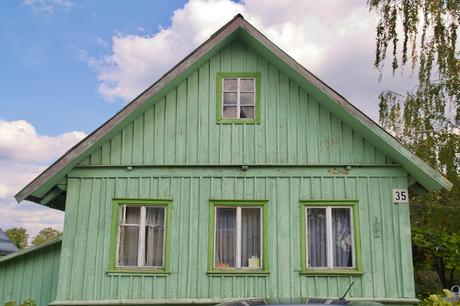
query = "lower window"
{"x": 330, "y": 239}
{"x": 238, "y": 237}
{"x": 141, "y": 235}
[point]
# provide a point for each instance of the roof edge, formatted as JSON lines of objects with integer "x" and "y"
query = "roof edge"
{"x": 26, "y": 192}
{"x": 30, "y": 250}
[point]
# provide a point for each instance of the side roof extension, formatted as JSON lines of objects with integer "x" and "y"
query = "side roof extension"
{"x": 44, "y": 184}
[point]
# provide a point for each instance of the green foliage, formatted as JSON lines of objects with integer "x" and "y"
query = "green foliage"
{"x": 428, "y": 39}
{"x": 45, "y": 235}
{"x": 27, "y": 302}
{"x": 446, "y": 299}
{"x": 19, "y": 236}
{"x": 437, "y": 249}
{"x": 426, "y": 283}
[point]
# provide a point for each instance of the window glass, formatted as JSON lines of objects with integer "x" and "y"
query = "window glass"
{"x": 239, "y": 98}
{"x": 329, "y": 237}
{"x": 341, "y": 237}
{"x": 128, "y": 245}
{"x": 230, "y": 98}
{"x": 141, "y": 239}
{"x": 154, "y": 236}
{"x": 247, "y": 112}
{"x": 247, "y": 85}
{"x": 132, "y": 215}
{"x": 230, "y": 84}
{"x": 316, "y": 237}
{"x": 238, "y": 238}
{"x": 247, "y": 98}
{"x": 225, "y": 238}
{"x": 250, "y": 237}
{"x": 229, "y": 112}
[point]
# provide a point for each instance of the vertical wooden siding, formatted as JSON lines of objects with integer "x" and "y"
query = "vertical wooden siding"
{"x": 386, "y": 260}
{"x": 32, "y": 275}
{"x": 181, "y": 128}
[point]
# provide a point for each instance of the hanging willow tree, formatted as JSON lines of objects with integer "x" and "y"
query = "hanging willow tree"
{"x": 422, "y": 34}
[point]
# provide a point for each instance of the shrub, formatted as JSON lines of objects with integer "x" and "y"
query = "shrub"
{"x": 426, "y": 283}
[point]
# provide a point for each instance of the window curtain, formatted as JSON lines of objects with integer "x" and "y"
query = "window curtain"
{"x": 129, "y": 236}
{"x": 154, "y": 236}
{"x": 316, "y": 237}
{"x": 341, "y": 237}
{"x": 225, "y": 243}
{"x": 250, "y": 235}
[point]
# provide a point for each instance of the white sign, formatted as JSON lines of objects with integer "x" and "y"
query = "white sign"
{"x": 400, "y": 196}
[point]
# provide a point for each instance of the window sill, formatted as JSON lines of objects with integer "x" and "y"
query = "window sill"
{"x": 331, "y": 272}
{"x": 239, "y": 272}
{"x": 238, "y": 121}
{"x": 144, "y": 272}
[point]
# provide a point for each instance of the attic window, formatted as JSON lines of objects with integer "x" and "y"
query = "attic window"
{"x": 238, "y": 97}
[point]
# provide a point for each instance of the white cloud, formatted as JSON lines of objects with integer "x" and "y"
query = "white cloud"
{"x": 24, "y": 154}
{"x": 20, "y": 141}
{"x": 47, "y": 8}
{"x": 138, "y": 60}
{"x": 333, "y": 39}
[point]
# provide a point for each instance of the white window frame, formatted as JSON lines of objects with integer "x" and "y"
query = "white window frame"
{"x": 238, "y": 92}
{"x": 238, "y": 236}
{"x": 141, "y": 240}
{"x": 329, "y": 242}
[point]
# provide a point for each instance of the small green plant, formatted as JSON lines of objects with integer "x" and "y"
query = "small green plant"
{"x": 446, "y": 299}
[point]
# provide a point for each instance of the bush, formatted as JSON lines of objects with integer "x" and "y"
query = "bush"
{"x": 426, "y": 283}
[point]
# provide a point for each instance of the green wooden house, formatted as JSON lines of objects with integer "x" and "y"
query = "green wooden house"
{"x": 237, "y": 174}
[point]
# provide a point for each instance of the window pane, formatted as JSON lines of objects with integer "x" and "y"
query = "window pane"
{"x": 229, "y": 98}
{"x": 342, "y": 242}
{"x": 132, "y": 215}
{"x": 247, "y": 112}
{"x": 225, "y": 238}
{"x": 250, "y": 238}
{"x": 129, "y": 238}
{"x": 230, "y": 84}
{"x": 247, "y": 98}
{"x": 316, "y": 237}
{"x": 247, "y": 84}
{"x": 154, "y": 236}
{"x": 229, "y": 112}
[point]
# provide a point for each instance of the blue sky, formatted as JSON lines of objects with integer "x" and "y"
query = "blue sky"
{"x": 66, "y": 66}
{"x": 43, "y": 78}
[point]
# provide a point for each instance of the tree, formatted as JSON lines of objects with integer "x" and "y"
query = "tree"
{"x": 429, "y": 41}
{"x": 19, "y": 236}
{"x": 45, "y": 235}
{"x": 426, "y": 120}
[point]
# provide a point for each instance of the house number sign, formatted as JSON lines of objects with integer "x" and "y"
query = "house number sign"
{"x": 400, "y": 196}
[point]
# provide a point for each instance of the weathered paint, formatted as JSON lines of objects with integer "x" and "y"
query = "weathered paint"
{"x": 32, "y": 274}
{"x": 181, "y": 128}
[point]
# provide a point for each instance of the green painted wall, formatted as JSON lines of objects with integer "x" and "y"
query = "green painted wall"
{"x": 181, "y": 129}
{"x": 386, "y": 260}
{"x": 33, "y": 275}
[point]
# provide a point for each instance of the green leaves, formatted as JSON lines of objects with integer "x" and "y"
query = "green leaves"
{"x": 428, "y": 39}
{"x": 19, "y": 236}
